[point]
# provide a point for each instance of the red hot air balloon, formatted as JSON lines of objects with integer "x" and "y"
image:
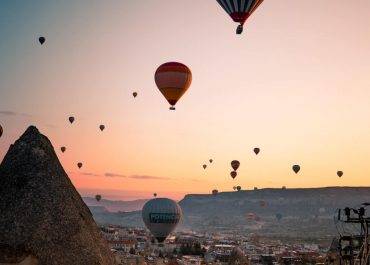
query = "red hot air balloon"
{"x": 340, "y": 173}
{"x": 235, "y": 164}
{"x": 173, "y": 79}
{"x": 296, "y": 168}
{"x": 233, "y": 174}
{"x": 256, "y": 150}
{"x": 239, "y": 10}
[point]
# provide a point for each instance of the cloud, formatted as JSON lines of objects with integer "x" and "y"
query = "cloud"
{"x": 146, "y": 177}
{"x": 113, "y": 175}
{"x": 89, "y": 174}
{"x": 12, "y": 113}
{"x": 134, "y": 176}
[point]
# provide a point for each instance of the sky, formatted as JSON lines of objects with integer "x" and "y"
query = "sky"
{"x": 296, "y": 84}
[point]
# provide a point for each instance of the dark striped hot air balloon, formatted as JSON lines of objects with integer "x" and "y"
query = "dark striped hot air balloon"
{"x": 173, "y": 79}
{"x": 239, "y": 10}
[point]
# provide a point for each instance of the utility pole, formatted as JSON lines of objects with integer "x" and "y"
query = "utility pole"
{"x": 355, "y": 249}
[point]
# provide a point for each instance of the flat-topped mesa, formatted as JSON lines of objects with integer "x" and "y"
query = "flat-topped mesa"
{"x": 44, "y": 220}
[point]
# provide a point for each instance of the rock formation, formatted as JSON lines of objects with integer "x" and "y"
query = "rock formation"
{"x": 43, "y": 219}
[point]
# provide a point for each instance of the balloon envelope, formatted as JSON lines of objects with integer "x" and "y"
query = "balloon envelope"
{"x": 102, "y": 127}
{"x": 238, "y": 188}
{"x": 161, "y": 216}
{"x": 233, "y": 174}
{"x": 211, "y": 160}
{"x": 79, "y": 164}
{"x": 204, "y": 166}
{"x": 98, "y": 197}
{"x": 63, "y": 149}
{"x": 134, "y": 94}
{"x": 296, "y": 168}
{"x": 155, "y": 194}
{"x": 71, "y": 119}
{"x": 173, "y": 79}
{"x": 340, "y": 173}
{"x": 215, "y": 192}
{"x": 235, "y": 164}
{"x": 238, "y": 10}
{"x": 256, "y": 150}
{"x": 42, "y": 40}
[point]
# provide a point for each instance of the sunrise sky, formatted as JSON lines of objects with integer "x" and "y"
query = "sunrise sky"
{"x": 296, "y": 84}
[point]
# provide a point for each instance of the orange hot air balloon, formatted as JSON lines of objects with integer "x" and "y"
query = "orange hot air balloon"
{"x": 233, "y": 174}
{"x": 173, "y": 79}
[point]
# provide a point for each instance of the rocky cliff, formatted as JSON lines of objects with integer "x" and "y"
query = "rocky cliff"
{"x": 42, "y": 216}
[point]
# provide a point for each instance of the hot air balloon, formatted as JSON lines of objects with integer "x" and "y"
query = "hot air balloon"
{"x": 211, "y": 160}
{"x": 161, "y": 216}
{"x": 214, "y": 192}
{"x": 255, "y": 188}
{"x": 234, "y": 188}
{"x": 204, "y": 166}
{"x": 102, "y": 127}
{"x": 235, "y": 164}
{"x": 173, "y": 79}
{"x": 1, "y": 131}
{"x": 155, "y": 195}
{"x": 134, "y": 94}
{"x": 250, "y": 216}
{"x": 296, "y": 168}
{"x": 42, "y": 40}
{"x": 239, "y": 10}
{"x": 256, "y": 150}
{"x": 79, "y": 164}
{"x": 63, "y": 149}
{"x": 238, "y": 188}
{"x": 339, "y": 173}
{"x": 98, "y": 197}
{"x": 233, "y": 174}
{"x": 71, "y": 119}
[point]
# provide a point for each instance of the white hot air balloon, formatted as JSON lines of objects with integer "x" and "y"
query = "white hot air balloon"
{"x": 161, "y": 216}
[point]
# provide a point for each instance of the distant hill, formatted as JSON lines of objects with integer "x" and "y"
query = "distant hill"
{"x": 116, "y": 206}
{"x": 306, "y": 212}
